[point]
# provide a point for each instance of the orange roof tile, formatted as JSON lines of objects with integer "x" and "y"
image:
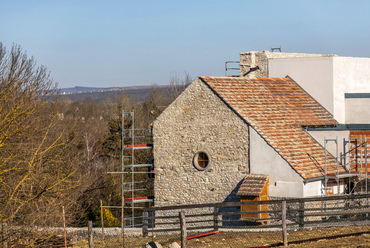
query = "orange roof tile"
{"x": 277, "y": 108}
{"x": 252, "y": 185}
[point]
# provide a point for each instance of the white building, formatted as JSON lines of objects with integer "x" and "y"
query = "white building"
{"x": 340, "y": 84}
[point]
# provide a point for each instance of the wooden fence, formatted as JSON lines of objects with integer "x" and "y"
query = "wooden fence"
{"x": 280, "y": 216}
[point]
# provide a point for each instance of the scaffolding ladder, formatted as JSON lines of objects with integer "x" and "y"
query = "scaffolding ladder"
{"x": 131, "y": 185}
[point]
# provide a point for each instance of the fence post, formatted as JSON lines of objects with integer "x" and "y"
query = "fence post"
{"x": 145, "y": 223}
{"x": 102, "y": 219}
{"x": 215, "y": 218}
{"x": 64, "y": 227}
{"x": 90, "y": 234}
{"x": 301, "y": 214}
{"x": 123, "y": 220}
{"x": 4, "y": 235}
{"x": 183, "y": 229}
{"x": 283, "y": 220}
{"x": 152, "y": 218}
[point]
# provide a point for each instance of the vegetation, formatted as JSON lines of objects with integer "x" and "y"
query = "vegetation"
{"x": 55, "y": 152}
{"x": 37, "y": 173}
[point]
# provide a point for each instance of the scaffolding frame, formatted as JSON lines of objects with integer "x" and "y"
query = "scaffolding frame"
{"x": 342, "y": 161}
{"x": 232, "y": 67}
{"x": 129, "y": 183}
{"x": 363, "y": 160}
{"x": 129, "y": 163}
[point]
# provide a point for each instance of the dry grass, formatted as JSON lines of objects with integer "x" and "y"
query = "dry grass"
{"x": 255, "y": 239}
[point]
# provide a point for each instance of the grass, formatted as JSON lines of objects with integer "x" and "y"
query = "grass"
{"x": 254, "y": 239}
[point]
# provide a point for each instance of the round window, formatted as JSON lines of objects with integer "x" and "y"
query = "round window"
{"x": 201, "y": 160}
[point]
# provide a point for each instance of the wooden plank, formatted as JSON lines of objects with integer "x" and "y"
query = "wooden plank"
{"x": 301, "y": 214}
{"x": 184, "y": 240}
{"x": 341, "y": 212}
{"x": 4, "y": 235}
{"x": 145, "y": 224}
{"x": 237, "y": 204}
{"x": 64, "y": 228}
{"x": 139, "y": 145}
{"x": 215, "y": 218}
{"x": 136, "y": 198}
{"x": 90, "y": 234}
{"x": 359, "y": 219}
{"x": 283, "y": 220}
{"x": 102, "y": 219}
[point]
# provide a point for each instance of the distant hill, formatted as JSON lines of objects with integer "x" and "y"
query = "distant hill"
{"x": 79, "y": 93}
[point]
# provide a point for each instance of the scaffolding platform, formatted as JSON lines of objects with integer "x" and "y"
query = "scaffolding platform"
{"x": 340, "y": 176}
{"x": 138, "y": 199}
{"x": 137, "y": 166}
{"x": 139, "y": 146}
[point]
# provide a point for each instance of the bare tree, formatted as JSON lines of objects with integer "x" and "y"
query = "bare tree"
{"x": 179, "y": 85}
{"x": 38, "y": 172}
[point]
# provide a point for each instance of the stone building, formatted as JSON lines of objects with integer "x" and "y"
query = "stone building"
{"x": 221, "y": 129}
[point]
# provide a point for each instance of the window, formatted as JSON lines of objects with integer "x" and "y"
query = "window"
{"x": 201, "y": 160}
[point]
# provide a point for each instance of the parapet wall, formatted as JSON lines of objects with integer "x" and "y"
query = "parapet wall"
{"x": 250, "y": 60}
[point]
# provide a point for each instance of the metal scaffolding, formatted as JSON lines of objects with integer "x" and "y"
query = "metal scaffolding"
{"x": 349, "y": 160}
{"x": 136, "y": 182}
{"x": 136, "y": 176}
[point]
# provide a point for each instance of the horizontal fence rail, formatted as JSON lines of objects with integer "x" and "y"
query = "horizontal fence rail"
{"x": 249, "y": 223}
{"x": 273, "y": 215}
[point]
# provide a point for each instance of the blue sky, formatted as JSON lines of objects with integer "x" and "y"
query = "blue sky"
{"x": 126, "y": 43}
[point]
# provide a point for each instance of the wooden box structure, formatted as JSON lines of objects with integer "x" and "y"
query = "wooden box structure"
{"x": 254, "y": 188}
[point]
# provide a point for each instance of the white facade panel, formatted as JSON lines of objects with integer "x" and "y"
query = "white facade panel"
{"x": 314, "y": 75}
{"x": 351, "y": 75}
{"x": 357, "y": 110}
{"x": 312, "y": 189}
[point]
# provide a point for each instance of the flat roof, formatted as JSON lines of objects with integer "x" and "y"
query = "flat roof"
{"x": 340, "y": 127}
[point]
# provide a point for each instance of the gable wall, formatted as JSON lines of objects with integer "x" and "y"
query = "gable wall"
{"x": 198, "y": 121}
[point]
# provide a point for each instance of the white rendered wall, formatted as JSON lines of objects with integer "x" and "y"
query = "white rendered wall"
{"x": 312, "y": 189}
{"x": 264, "y": 160}
{"x": 327, "y": 79}
{"x": 320, "y": 137}
{"x": 351, "y": 75}
{"x": 314, "y": 75}
{"x": 357, "y": 110}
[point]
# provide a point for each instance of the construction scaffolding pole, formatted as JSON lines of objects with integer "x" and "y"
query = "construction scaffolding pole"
{"x": 326, "y": 164}
{"x": 129, "y": 162}
{"x": 366, "y": 175}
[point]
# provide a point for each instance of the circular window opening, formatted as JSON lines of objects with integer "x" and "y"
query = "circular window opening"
{"x": 201, "y": 160}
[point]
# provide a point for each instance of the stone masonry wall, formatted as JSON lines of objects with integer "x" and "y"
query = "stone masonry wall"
{"x": 261, "y": 59}
{"x": 198, "y": 121}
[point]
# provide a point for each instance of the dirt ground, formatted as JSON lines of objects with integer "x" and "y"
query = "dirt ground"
{"x": 358, "y": 236}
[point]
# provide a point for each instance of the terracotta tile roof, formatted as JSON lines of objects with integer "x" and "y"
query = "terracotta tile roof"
{"x": 252, "y": 185}
{"x": 277, "y": 108}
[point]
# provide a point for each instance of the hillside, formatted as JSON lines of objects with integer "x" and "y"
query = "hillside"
{"x": 78, "y": 93}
